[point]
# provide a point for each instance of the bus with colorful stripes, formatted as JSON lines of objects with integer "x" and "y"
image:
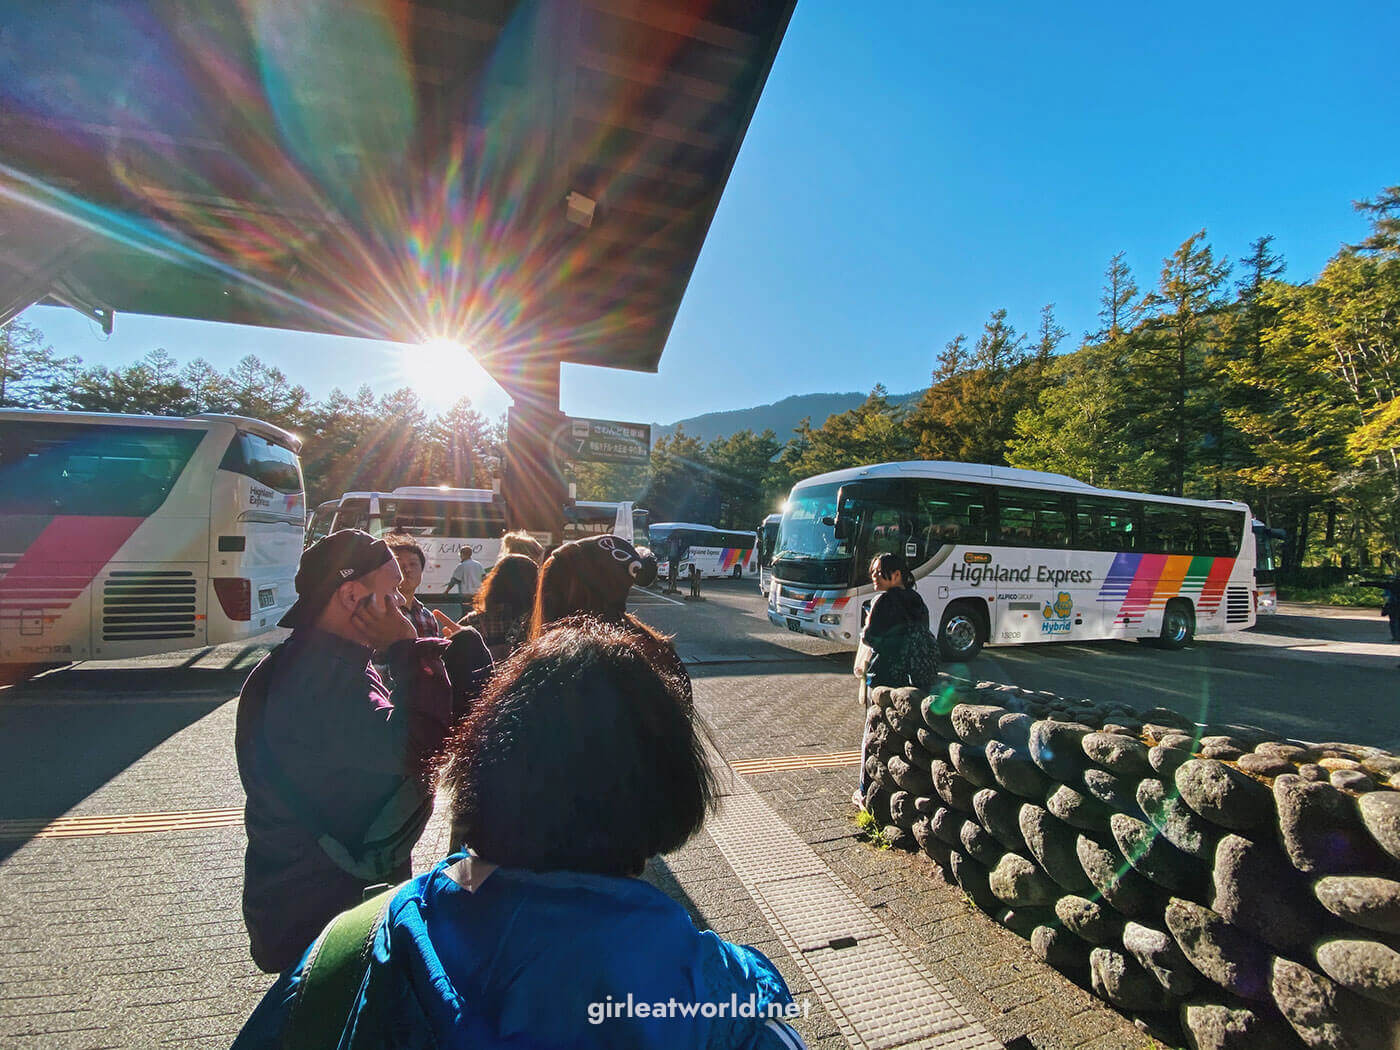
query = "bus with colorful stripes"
{"x": 767, "y": 536}
{"x": 704, "y": 548}
{"x": 125, "y": 535}
{"x": 1008, "y": 556}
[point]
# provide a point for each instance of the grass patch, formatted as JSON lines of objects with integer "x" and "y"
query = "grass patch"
{"x": 1351, "y": 596}
{"x": 871, "y": 831}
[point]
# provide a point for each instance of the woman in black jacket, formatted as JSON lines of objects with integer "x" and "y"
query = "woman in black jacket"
{"x": 896, "y": 611}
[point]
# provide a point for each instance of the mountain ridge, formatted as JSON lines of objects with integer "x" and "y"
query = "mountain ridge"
{"x": 780, "y": 416}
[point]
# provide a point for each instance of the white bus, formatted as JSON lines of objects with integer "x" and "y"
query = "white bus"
{"x": 767, "y": 536}
{"x": 584, "y": 518}
{"x": 1011, "y": 556}
{"x": 124, "y": 535}
{"x": 1268, "y": 562}
{"x": 714, "y": 552}
{"x": 443, "y": 520}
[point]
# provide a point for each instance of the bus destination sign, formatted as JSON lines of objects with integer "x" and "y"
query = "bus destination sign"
{"x": 608, "y": 441}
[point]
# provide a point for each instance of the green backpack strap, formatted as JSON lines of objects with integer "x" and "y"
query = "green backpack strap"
{"x": 333, "y": 975}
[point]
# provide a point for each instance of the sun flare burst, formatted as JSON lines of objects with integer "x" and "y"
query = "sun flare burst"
{"x": 441, "y": 371}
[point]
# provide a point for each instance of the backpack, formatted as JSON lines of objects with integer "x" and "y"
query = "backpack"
{"x": 333, "y": 977}
{"x": 921, "y": 656}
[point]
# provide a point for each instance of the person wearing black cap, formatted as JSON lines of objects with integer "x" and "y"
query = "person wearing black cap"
{"x": 335, "y": 767}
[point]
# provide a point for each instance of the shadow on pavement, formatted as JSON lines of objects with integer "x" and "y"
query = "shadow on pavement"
{"x": 71, "y": 731}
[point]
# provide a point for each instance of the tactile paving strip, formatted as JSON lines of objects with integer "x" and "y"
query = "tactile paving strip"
{"x": 874, "y": 989}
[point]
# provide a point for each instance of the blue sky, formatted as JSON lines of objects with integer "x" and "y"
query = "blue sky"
{"x": 906, "y": 175}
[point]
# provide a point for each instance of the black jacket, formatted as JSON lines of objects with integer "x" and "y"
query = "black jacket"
{"x": 891, "y": 615}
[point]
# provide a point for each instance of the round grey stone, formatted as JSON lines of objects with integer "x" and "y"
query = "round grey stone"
{"x": 976, "y": 723}
{"x": 899, "y": 838}
{"x": 1325, "y": 1015}
{"x": 1167, "y": 717}
{"x": 1380, "y": 812}
{"x": 909, "y": 777}
{"x": 1211, "y": 1025}
{"x": 1366, "y": 901}
{"x": 1058, "y": 948}
{"x": 922, "y": 831}
{"x": 879, "y": 697}
{"x": 1367, "y": 967}
{"x": 1014, "y": 730}
{"x": 1115, "y": 977}
{"x": 916, "y": 755}
{"x": 902, "y": 812}
{"x": 979, "y": 845}
{"x": 1077, "y": 809}
{"x": 1381, "y": 765}
{"x": 1055, "y": 747}
{"x": 1153, "y": 857}
{"x": 946, "y": 825}
{"x": 971, "y": 878}
{"x": 1115, "y": 792}
{"x": 1159, "y": 955}
{"x": 1000, "y": 814}
{"x": 1280, "y": 749}
{"x": 1221, "y": 751}
{"x": 971, "y": 762}
{"x": 1167, "y": 760}
{"x": 1176, "y": 821}
{"x": 903, "y": 719}
{"x": 1222, "y": 953}
{"x": 1019, "y": 883}
{"x": 1052, "y": 843}
{"x": 1261, "y": 893}
{"x": 931, "y": 742}
{"x": 1321, "y": 828}
{"x": 1089, "y": 920}
{"x": 1223, "y": 795}
{"x": 1353, "y": 780}
{"x": 1015, "y": 771}
{"x": 936, "y": 713}
{"x": 1118, "y": 754}
{"x": 952, "y": 786}
{"x": 1311, "y": 771}
{"x": 1222, "y": 740}
{"x": 1115, "y": 879}
{"x": 1265, "y": 765}
{"x": 924, "y": 804}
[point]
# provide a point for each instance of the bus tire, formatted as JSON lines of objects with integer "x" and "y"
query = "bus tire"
{"x": 961, "y": 632}
{"x": 738, "y": 572}
{"x": 1178, "y": 625}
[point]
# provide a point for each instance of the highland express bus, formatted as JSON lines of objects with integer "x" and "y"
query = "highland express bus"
{"x": 584, "y": 518}
{"x": 125, "y": 535}
{"x": 443, "y": 520}
{"x": 1011, "y": 556}
{"x": 767, "y": 536}
{"x": 704, "y": 548}
{"x": 1268, "y": 563}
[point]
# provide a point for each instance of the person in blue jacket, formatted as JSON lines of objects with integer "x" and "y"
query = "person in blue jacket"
{"x": 582, "y": 760}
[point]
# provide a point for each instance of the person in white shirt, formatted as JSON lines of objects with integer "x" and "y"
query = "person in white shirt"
{"x": 466, "y": 577}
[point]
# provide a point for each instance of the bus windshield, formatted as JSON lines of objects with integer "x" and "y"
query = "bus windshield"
{"x": 807, "y": 550}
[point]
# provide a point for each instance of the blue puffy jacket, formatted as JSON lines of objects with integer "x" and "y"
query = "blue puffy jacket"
{"x": 471, "y": 955}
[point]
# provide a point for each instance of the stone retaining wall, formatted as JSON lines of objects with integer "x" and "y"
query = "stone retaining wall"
{"x": 1222, "y": 878}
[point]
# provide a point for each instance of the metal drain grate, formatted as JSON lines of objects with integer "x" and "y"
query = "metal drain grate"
{"x": 874, "y": 989}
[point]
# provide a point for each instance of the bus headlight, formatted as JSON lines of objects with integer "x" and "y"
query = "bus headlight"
{"x": 831, "y": 618}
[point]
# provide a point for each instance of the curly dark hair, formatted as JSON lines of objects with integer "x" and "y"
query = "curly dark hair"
{"x": 509, "y": 586}
{"x": 403, "y": 541}
{"x": 582, "y": 755}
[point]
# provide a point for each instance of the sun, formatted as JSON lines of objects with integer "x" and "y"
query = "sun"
{"x": 441, "y": 372}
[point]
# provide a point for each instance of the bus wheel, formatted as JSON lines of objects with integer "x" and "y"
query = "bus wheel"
{"x": 1178, "y": 625}
{"x": 738, "y": 573}
{"x": 960, "y": 632}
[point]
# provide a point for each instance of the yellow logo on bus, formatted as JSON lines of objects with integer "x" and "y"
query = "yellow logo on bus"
{"x": 976, "y": 558}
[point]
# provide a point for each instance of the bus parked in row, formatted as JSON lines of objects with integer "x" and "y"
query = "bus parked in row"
{"x": 443, "y": 520}
{"x": 1011, "y": 556}
{"x": 704, "y": 548}
{"x": 123, "y": 536}
{"x": 584, "y": 518}
{"x": 1268, "y": 563}
{"x": 767, "y": 537}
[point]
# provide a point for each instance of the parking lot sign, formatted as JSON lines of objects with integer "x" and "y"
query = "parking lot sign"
{"x": 609, "y": 441}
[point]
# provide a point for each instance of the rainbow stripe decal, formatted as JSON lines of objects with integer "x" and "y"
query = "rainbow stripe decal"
{"x": 730, "y": 557}
{"x": 1141, "y": 583}
{"x": 814, "y": 604}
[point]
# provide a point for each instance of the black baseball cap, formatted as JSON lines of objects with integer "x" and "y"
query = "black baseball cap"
{"x": 338, "y": 558}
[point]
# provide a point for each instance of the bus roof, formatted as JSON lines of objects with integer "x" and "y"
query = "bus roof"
{"x": 256, "y": 426}
{"x": 773, "y": 519}
{"x": 444, "y": 492}
{"x": 988, "y": 474}
{"x": 664, "y": 525}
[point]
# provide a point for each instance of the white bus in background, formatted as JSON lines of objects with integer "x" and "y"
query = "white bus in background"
{"x": 1011, "y": 556}
{"x": 712, "y": 551}
{"x": 443, "y": 520}
{"x": 584, "y": 518}
{"x": 123, "y": 536}
{"x": 1268, "y": 562}
{"x": 767, "y": 536}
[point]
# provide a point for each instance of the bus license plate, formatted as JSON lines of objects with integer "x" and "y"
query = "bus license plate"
{"x": 266, "y": 599}
{"x": 794, "y": 625}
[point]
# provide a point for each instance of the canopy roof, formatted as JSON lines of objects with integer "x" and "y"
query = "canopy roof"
{"x": 532, "y": 179}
